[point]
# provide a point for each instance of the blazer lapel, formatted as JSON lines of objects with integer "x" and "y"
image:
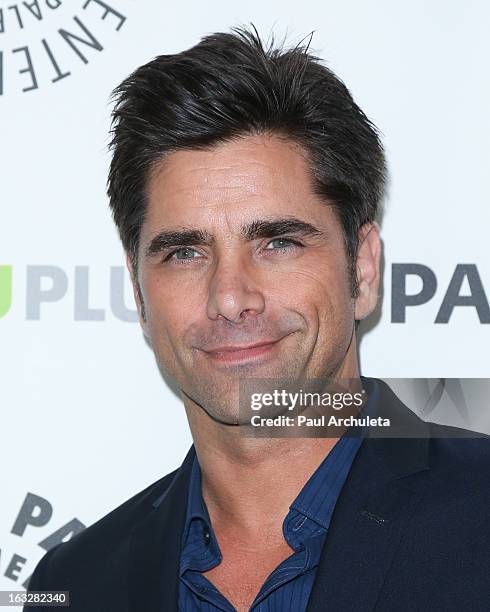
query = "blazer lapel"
{"x": 154, "y": 555}
{"x": 371, "y": 514}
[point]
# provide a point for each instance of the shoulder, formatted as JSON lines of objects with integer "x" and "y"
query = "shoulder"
{"x": 100, "y": 546}
{"x": 451, "y": 451}
{"x": 447, "y": 463}
{"x": 460, "y": 456}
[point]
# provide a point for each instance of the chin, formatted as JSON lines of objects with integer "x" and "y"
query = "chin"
{"x": 224, "y": 417}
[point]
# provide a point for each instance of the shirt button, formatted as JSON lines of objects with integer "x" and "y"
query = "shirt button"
{"x": 207, "y": 536}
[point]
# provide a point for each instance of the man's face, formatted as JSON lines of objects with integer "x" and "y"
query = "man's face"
{"x": 243, "y": 272}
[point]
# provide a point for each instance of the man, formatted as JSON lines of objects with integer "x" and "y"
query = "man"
{"x": 245, "y": 184}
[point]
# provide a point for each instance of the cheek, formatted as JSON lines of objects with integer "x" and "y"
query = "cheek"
{"x": 322, "y": 288}
{"x": 170, "y": 307}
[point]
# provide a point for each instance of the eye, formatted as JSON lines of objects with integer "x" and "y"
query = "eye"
{"x": 182, "y": 254}
{"x": 281, "y": 244}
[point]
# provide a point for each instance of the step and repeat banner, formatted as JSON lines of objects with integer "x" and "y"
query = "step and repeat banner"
{"x": 86, "y": 420}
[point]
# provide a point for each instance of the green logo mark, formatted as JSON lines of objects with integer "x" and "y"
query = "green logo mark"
{"x": 5, "y": 289}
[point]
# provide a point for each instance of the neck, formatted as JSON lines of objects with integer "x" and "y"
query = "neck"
{"x": 247, "y": 480}
{"x": 249, "y": 483}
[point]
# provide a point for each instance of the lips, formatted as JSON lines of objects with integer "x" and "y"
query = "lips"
{"x": 235, "y": 353}
{"x": 235, "y": 348}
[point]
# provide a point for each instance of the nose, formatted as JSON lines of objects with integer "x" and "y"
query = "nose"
{"x": 233, "y": 293}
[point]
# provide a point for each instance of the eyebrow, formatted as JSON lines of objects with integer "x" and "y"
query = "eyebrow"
{"x": 260, "y": 228}
{"x": 170, "y": 238}
{"x": 266, "y": 228}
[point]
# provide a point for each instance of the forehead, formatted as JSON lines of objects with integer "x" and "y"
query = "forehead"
{"x": 253, "y": 176}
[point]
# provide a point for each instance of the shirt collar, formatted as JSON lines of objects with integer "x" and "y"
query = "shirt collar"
{"x": 196, "y": 508}
{"x": 200, "y": 549}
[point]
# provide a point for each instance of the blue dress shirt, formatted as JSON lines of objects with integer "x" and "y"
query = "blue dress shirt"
{"x": 288, "y": 587}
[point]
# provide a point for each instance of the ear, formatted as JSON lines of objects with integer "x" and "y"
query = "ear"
{"x": 367, "y": 266}
{"x": 138, "y": 297}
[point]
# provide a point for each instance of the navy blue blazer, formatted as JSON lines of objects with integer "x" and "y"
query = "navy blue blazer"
{"x": 410, "y": 532}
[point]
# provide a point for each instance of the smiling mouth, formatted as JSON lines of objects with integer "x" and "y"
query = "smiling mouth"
{"x": 235, "y": 354}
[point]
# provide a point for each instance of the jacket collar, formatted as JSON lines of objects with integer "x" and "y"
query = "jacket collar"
{"x": 154, "y": 552}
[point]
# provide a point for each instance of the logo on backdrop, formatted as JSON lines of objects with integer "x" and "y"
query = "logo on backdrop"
{"x": 456, "y": 294}
{"x": 45, "y": 285}
{"x": 35, "y": 512}
{"x": 46, "y": 41}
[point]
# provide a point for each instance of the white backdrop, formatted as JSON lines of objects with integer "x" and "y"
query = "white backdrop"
{"x": 86, "y": 420}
